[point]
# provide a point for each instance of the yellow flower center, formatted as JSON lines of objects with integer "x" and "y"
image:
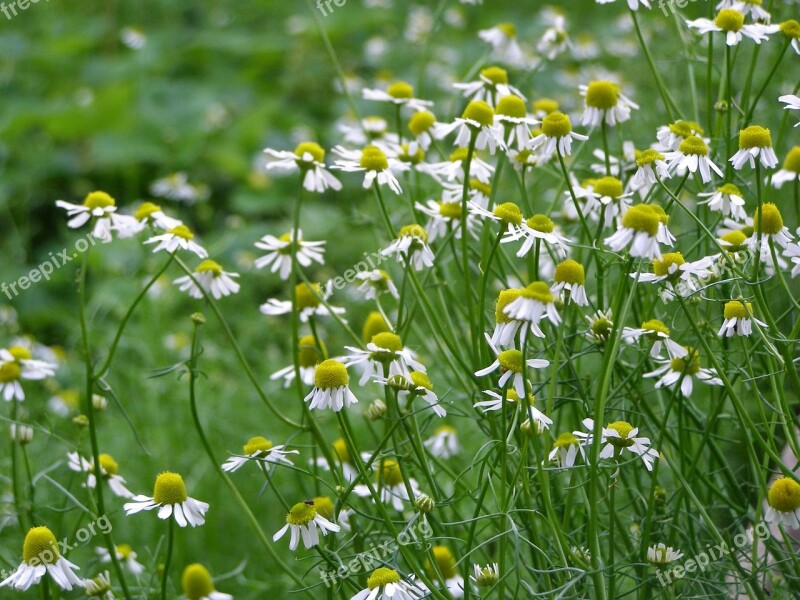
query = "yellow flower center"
{"x": 538, "y": 290}
{"x": 40, "y": 547}
{"x": 257, "y": 445}
{"x": 414, "y": 159}
{"x": 510, "y": 360}
{"x": 98, "y": 200}
{"x": 495, "y": 75}
{"x": 729, "y": 20}
{"x": 479, "y": 186}
{"x": 125, "y": 551}
{"x": 508, "y": 212}
{"x": 784, "y": 495}
{"x": 655, "y": 326}
{"x": 511, "y": 106}
{"x": 420, "y": 379}
{"x": 689, "y": 364}
{"x": 556, "y": 125}
{"x": 324, "y": 506}
{"x": 421, "y": 122}
{"x": 316, "y": 151}
{"x": 414, "y": 231}
{"x": 374, "y": 159}
{"x": 565, "y": 440}
{"x": 196, "y": 582}
{"x": 391, "y": 474}
{"x": 480, "y": 112}
{"x": 450, "y": 210}
{"x": 754, "y": 137}
{"x": 108, "y": 464}
{"x": 770, "y": 219}
{"x": 445, "y": 561}
{"x": 302, "y": 513}
{"x": 400, "y": 90}
{"x": 736, "y": 310}
{"x": 374, "y": 324}
{"x": 685, "y": 129}
{"x": 307, "y": 296}
{"x": 146, "y": 210}
{"x": 736, "y": 240}
{"x": 182, "y": 231}
{"x": 693, "y": 145}
{"x": 601, "y": 328}
{"x": 570, "y": 271}
{"x": 623, "y": 428}
{"x": 790, "y": 29}
{"x": 169, "y": 489}
{"x": 641, "y": 217}
{"x": 209, "y": 266}
{"x": 545, "y": 105}
{"x": 444, "y": 430}
{"x": 792, "y": 162}
{"x": 381, "y": 577}
{"x": 20, "y": 353}
{"x": 9, "y": 372}
{"x": 647, "y": 157}
{"x": 505, "y": 298}
{"x": 541, "y": 223}
{"x": 341, "y": 451}
{"x": 663, "y": 267}
{"x": 459, "y": 154}
{"x": 608, "y": 186}
{"x": 388, "y": 341}
{"x": 602, "y": 94}
{"x": 729, "y": 190}
{"x": 330, "y": 374}
{"x": 508, "y": 29}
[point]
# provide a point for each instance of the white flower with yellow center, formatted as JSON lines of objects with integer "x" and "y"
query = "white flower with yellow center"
{"x": 330, "y": 387}
{"x": 453, "y": 170}
{"x": 534, "y": 303}
{"x": 478, "y": 193}
{"x": 555, "y": 39}
{"x": 447, "y": 567}
{"x": 309, "y": 159}
{"x": 784, "y": 503}
{"x": 376, "y": 165}
{"x": 791, "y": 30}
{"x": 684, "y": 370}
{"x": 492, "y": 84}
{"x": 539, "y": 228}
{"x": 398, "y": 93}
{"x": 570, "y": 281}
{"x": 506, "y": 328}
{"x": 443, "y": 217}
{"x": 692, "y": 155}
{"x": 376, "y": 282}
{"x": 632, "y": 4}
{"x": 415, "y": 385}
{"x": 728, "y": 200}
{"x": 386, "y": 584}
{"x": 303, "y": 521}
{"x": 208, "y": 277}
{"x": 109, "y": 472}
{"x": 768, "y": 225}
{"x": 310, "y": 352}
{"x": 16, "y": 364}
{"x": 661, "y": 554}
{"x": 392, "y": 485}
{"x": 670, "y": 136}
{"x": 101, "y": 207}
{"x": 411, "y": 248}
{"x": 565, "y": 450}
{"x": 171, "y": 500}
{"x": 512, "y": 115}
{"x": 261, "y": 451}
{"x": 738, "y": 319}
{"x": 605, "y": 199}
{"x": 503, "y": 39}
{"x": 485, "y": 577}
{"x": 40, "y": 556}
{"x": 541, "y": 420}
{"x": 655, "y": 332}
{"x": 678, "y": 275}
{"x": 604, "y": 101}
{"x": 197, "y": 584}
{"x": 754, "y": 142}
{"x": 385, "y": 356}
{"x": 177, "y": 238}
{"x": 556, "y": 135}
{"x": 443, "y": 443}
{"x": 149, "y": 213}
{"x": 99, "y": 587}
{"x": 509, "y": 362}
{"x": 618, "y": 437}
{"x": 638, "y": 229}
{"x": 279, "y": 252}
{"x": 791, "y": 169}
{"x": 125, "y": 554}
{"x": 507, "y": 214}
{"x": 792, "y": 102}
{"x": 731, "y": 22}
{"x": 651, "y": 167}
{"x": 478, "y": 122}
{"x": 309, "y": 301}
{"x": 421, "y": 127}
{"x": 747, "y": 7}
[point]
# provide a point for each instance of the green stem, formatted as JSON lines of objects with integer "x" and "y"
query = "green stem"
{"x": 168, "y": 559}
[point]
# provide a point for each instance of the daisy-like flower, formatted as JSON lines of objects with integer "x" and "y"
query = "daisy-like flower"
{"x": 728, "y": 200}
{"x": 661, "y": 554}
{"x": 565, "y": 450}
{"x": 738, "y": 319}
{"x": 606, "y": 200}
{"x": 543, "y": 107}
{"x": 618, "y": 437}
{"x": 539, "y": 228}
{"x": 557, "y": 135}
{"x": 20, "y": 434}
{"x": 421, "y": 125}
{"x": 747, "y": 7}
{"x": 535, "y": 302}
{"x": 555, "y": 39}
{"x": 768, "y": 225}
{"x": 792, "y": 103}
{"x": 392, "y": 485}
{"x": 791, "y": 169}
{"x": 386, "y": 584}
{"x": 125, "y": 554}
{"x": 639, "y": 230}
{"x": 398, "y": 93}
{"x": 632, "y": 4}
{"x": 651, "y": 167}
{"x": 657, "y": 334}
{"x": 109, "y": 472}
{"x": 731, "y": 22}
{"x": 309, "y": 302}
{"x": 279, "y": 252}
{"x": 177, "y": 238}
{"x": 492, "y": 84}
{"x": 692, "y": 154}
{"x": 208, "y": 277}
{"x": 101, "y": 207}
{"x": 310, "y": 352}
{"x": 673, "y": 269}
{"x": 415, "y": 385}
{"x": 511, "y": 113}
{"x": 541, "y": 420}
{"x": 684, "y": 370}
{"x": 443, "y": 443}
{"x": 330, "y": 387}
{"x": 507, "y": 214}
{"x": 478, "y": 120}
{"x": 509, "y": 362}
{"x": 791, "y": 30}
{"x": 600, "y": 326}
{"x": 570, "y": 280}
{"x": 485, "y": 577}
{"x": 149, "y": 213}
{"x": 171, "y": 500}
{"x": 784, "y": 503}
{"x": 197, "y": 584}
{"x": 604, "y": 101}
{"x": 754, "y": 142}
{"x": 309, "y": 159}
{"x": 454, "y": 170}
{"x": 411, "y": 247}
{"x": 670, "y": 136}
{"x": 40, "y": 556}
{"x": 384, "y": 356}
{"x": 304, "y": 521}
{"x": 446, "y": 566}
{"x": 444, "y": 216}
{"x": 506, "y": 328}
{"x": 260, "y": 450}
{"x": 503, "y": 39}
{"x": 17, "y": 363}
{"x": 376, "y": 282}
{"x": 99, "y": 587}
{"x": 376, "y": 165}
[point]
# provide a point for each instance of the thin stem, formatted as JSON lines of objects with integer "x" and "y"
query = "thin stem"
{"x": 168, "y": 559}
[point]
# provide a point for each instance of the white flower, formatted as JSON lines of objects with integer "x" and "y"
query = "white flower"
{"x": 443, "y": 443}
{"x": 279, "y": 250}
{"x": 208, "y": 277}
{"x": 618, "y": 437}
{"x": 638, "y": 229}
{"x": 411, "y": 248}
{"x": 177, "y": 238}
{"x": 731, "y": 22}
{"x": 769, "y": 227}
{"x": 784, "y": 503}
{"x": 541, "y": 420}
{"x": 539, "y": 228}
{"x": 604, "y": 200}
{"x": 330, "y": 387}
{"x": 376, "y": 165}
{"x": 728, "y": 200}
{"x": 792, "y": 103}
{"x": 308, "y": 357}
{"x": 509, "y": 362}
{"x": 102, "y": 208}
{"x": 303, "y": 521}
{"x": 661, "y": 554}
{"x": 478, "y": 120}
{"x": 376, "y": 282}
{"x": 442, "y": 218}
{"x": 503, "y": 39}
{"x": 386, "y": 584}
{"x": 40, "y": 556}
{"x": 651, "y": 167}
{"x": 511, "y": 114}
{"x": 535, "y": 302}
{"x": 171, "y": 500}
{"x": 790, "y": 170}
{"x": 261, "y": 451}
{"x": 570, "y": 277}
{"x": 384, "y": 356}
{"x": 415, "y": 385}
{"x": 565, "y": 450}
{"x": 108, "y": 472}
{"x": 485, "y": 576}
{"x": 754, "y": 142}
{"x": 399, "y": 93}
{"x": 604, "y": 101}
{"x": 670, "y": 136}
{"x": 492, "y": 84}
{"x": 555, "y": 39}
{"x": 632, "y": 4}
{"x": 392, "y": 485}
{"x": 151, "y": 214}
{"x": 453, "y": 170}
{"x": 684, "y": 370}
{"x": 656, "y": 332}
{"x": 309, "y": 302}
{"x": 99, "y": 587}
{"x": 746, "y": 7}
{"x": 308, "y": 158}
{"x": 692, "y": 154}
{"x": 198, "y": 584}
{"x": 557, "y": 135}
{"x": 16, "y": 363}
{"x": 125, "y": 554}
{"x": 738, "y": 319}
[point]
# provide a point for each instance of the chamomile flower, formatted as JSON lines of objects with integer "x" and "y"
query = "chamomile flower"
{"x": 197, "y": 584}
{"x": 503, "y": 39}
{"x": 731, "y": 22}
{"x": 768, "y": 225}
{"x": 446, "y": 566}
{"x": 398, "y": 93}
{"x": 102, "y": 208}
{"x": 310, "y": 352}
{"x": 415, "y": 385}
{"x": 384, "y": 356}
{"x": 600, "y": 326}
{"x": 570, "y": 280}
{"x": 303, "y": 521}
{"x": 738, "y": 319}
{"x": 372, "y": 129}
{"x": 791, "y": 169}
{"x": 421, "y": 125}
{"x": 149, "y": 213}
{"x": 99, "y": 587}
{"x": 507, "y": 214}
{"x": 309, "y": 159}
{"x": 208, "y": 277}
{"x": 684, "y": 369}
{"x": 454, "y": 169}
{"x": 606, "y": 200}
{"x": 657, "y": 334}
{"x": 261, "y": 451}
{"x": 16, "y": 364}
{"x": 411, "y": 248}
{"x": 618, "y": 437}
{"x": 478, "y": 121}
{"x": 386, "y": 584}
{"x": 509, "y": 362}
{"x": 506, "y": 328}
{"x": 125, "y": 555}
{"x": 692, "y": 154}
{"x": 784, "y": 503}
{"x": 728, "y": 200}
{"x": 604, "y": 101}
{"x": 511, "y": 113}
{"x": 443, "y": 217}
{"x": 556, "y": 135}
{"x": 177, "y": 238}
{"x": 555, "y": 39}
{"x": 541, "y": 420}
{"x": 632, "y": 4}
{"x": 650, "y": 167}
{"x": 331, "y": 389}
{"x": 487, "y": 576}
{"x": 661, "y": 554}
{"x": 279, "y": 252}
{"x": 670, "y": 136}
{"x": 792, "y": 102}
{"x": 109, "y": 472}
{"x": 40, "y": 556}
{"x": 565, "y": 450}
{"x": 754, "y": 142}
{"x": 638, "y": 229}
{"x": 392, "y": 485}
{"x": 544, "y": 106}
{"x": 492, "y": 84}
{"x": 309, "y": 301}
{"x": 443, "y": 443}
{"x": 534, "y": 303}
{"x": 171, "y": 500}
{"x": 791, "y": 30}
{"x": 376, "y": 282}
{"x": 539, "y": 228}
{"x": 376, "y": 165}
